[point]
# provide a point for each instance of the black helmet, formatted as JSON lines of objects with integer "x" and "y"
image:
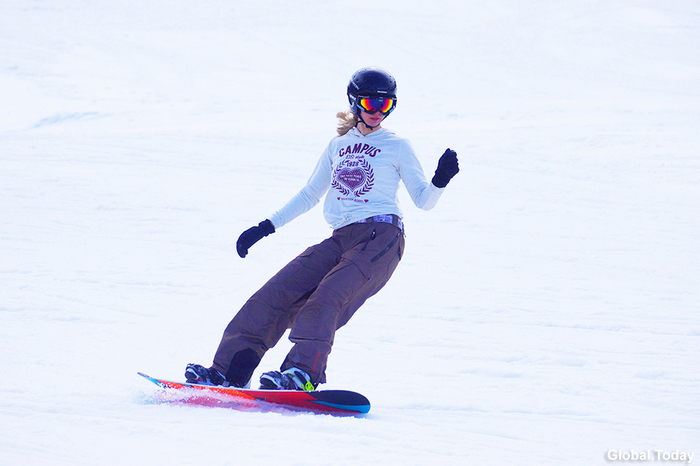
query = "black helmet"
{"x": 371, "y": 82}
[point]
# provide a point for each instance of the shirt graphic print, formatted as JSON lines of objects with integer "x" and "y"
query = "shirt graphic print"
{"x": 353, "y": 177}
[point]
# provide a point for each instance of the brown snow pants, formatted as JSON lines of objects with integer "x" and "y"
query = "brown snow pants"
{"x": 314, "y": 295}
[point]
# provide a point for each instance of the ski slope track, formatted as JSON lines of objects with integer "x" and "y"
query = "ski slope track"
{"x": 546, "y": 312}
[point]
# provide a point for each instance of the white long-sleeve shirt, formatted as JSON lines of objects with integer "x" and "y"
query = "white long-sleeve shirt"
{"x": 361, "y": 175}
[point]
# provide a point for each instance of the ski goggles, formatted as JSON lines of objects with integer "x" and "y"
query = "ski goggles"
{"x": 377, "y": 104}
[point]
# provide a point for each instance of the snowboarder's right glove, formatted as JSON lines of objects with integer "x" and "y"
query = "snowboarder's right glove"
{"x": 252, "y": 236}
{"x": 446, "y": 169}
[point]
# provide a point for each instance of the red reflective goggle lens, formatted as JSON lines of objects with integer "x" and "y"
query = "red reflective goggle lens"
{"x": 376, "y": 104}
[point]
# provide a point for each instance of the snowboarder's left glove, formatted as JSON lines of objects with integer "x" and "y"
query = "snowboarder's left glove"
{"x": 447, "y": 168}
{"x": 252, "y": 236}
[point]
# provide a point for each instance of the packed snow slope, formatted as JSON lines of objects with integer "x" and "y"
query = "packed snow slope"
{"x": 545, "y": 312}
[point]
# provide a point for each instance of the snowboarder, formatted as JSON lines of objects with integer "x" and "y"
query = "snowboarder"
{"x": 319, "y": 291}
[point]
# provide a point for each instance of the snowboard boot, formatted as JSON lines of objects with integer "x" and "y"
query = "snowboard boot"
{"x": 194, "y": 373}
{"x": 291, "y": 379}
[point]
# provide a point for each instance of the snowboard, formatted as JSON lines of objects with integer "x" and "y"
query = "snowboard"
{"x": 335, "y": 402}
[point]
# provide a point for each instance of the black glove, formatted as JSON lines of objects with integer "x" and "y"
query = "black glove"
{"x": 252, "y": 236}
{"x": 446, "y": 169}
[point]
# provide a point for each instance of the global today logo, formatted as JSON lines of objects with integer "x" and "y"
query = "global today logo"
{"x": 649, "y": 456}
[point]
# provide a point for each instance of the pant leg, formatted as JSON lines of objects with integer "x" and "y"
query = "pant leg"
{"x": 265, "y": 317}
{"x": 363, "y": 270}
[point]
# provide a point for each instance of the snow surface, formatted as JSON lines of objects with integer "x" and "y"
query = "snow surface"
{"x": 546, "y": 311}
